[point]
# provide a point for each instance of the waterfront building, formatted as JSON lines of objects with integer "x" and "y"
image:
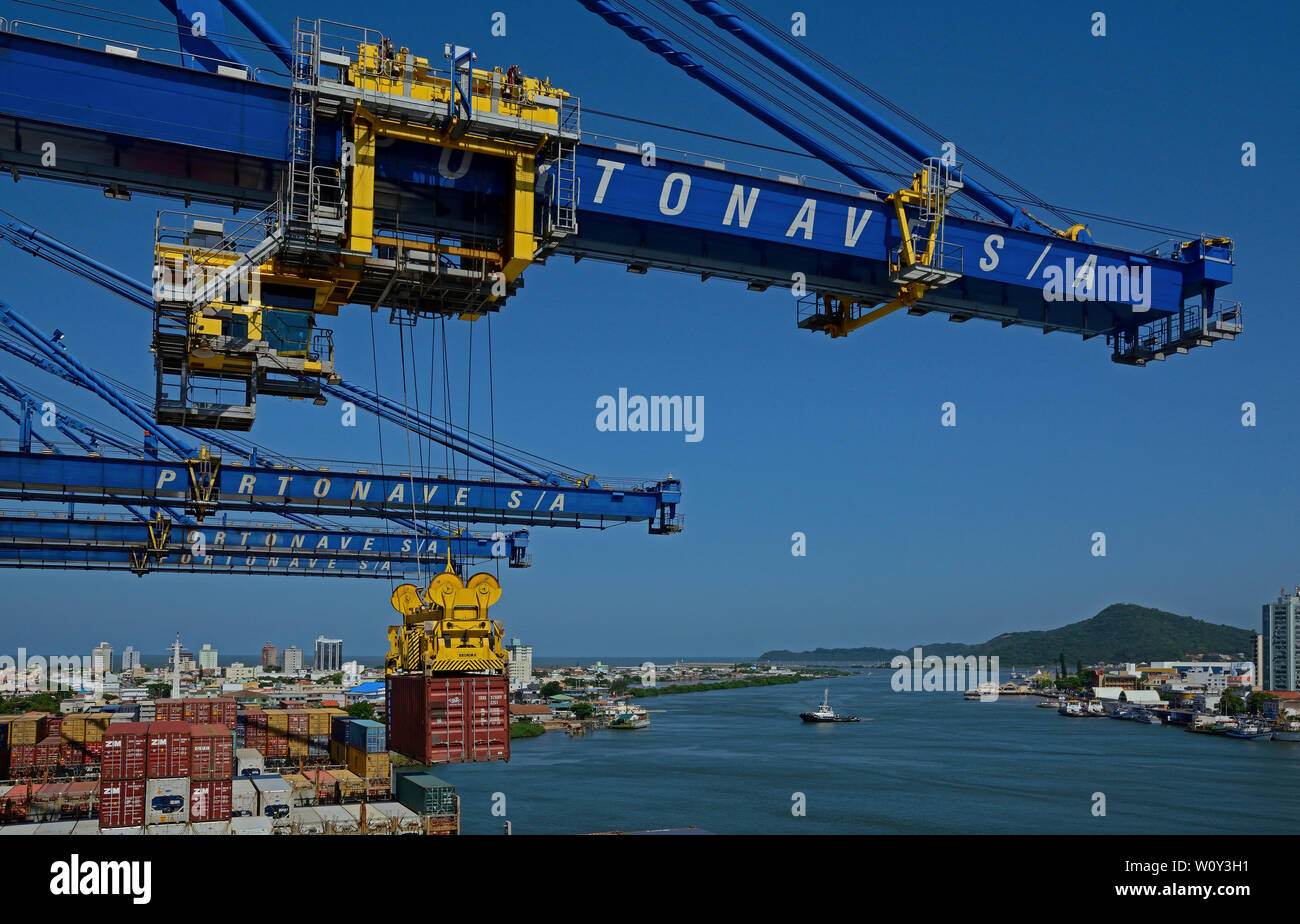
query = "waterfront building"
{"x": 101, "y": 659}
{"x": 1280, "y": 642}
{"x": 521, "y": 663}
{"x": 207, "y": 658}
{"x": 130, "y": 659}
{"x": 329, "y": 654}
{"x": 270, "y": 657}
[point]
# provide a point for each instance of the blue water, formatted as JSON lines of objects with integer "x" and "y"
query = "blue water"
{"x": 730, "y": 761}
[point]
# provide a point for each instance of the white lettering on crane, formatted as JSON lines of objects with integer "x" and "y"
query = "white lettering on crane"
{"x": 444, "y": 164}
{"x": 398, "y": 494}
{"x": 804, "y": 220}
{"x": 1039, "y": 261}
{"x": 284, "y": 484}
{"x": 166, "y": 476}
{"x": 610, "y": 166}
{"x": 740, "y": 206}
{"x": 321, "y": 487}
{"x": 361, "y": 490}
{"x": 680, "y": 179}
{"x": 851, "y": 231}
{"x": 246, "y": 483}
{"x": 462, "y": 496}
{"x": 992, "y": 244}
{"x": 513, "y": 503}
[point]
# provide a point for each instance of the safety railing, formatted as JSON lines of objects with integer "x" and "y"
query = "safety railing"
{"x": 172, "y": 56}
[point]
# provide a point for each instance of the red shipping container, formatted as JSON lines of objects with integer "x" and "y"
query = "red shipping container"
{"x": 211, "y": 800}
{"x": 22, "y": 759}
{"x": 225, "y": 712}
{"x": 275, "y": 746}
{"x": 125, "y": 750}
{"x": 72, "y": 754}
{"x": 197, "y": 711}
{"x": 47, "y": 753}
{"x": 212, "y": 753}
{"x": 54, "y": 725}
{"x": 121, "y": 803}
{"x": 14, "y": 804}
{"x": 94, "y": 751}
{"x": 169, "y": 710}
{"x": 169, "y": 750}
{"x": 299, "y": 723}
{"x": 448, "y": 718}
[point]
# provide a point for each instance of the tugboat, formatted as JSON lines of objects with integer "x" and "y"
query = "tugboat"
{"x": 825, "y": 713}
{"x": 631, "y": 717}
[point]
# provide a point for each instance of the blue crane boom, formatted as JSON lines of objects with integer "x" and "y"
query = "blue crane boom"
{"x": 224, "y": 142}
{"x": 205, "y": 486}
{"x": 285, "y": 566}
{"x": 243, "y": 541}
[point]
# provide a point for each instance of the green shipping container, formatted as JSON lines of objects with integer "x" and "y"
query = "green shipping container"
{"x": 426, "y": 794}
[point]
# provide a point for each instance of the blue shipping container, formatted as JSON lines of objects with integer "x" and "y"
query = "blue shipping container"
{"x": 339, "y": 728}
{"x": 368, "y": 736}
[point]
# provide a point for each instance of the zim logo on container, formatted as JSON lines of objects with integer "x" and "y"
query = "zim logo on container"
{"x": 104, "y": 877}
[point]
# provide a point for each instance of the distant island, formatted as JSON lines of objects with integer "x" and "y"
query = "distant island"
{"x": 1120, "y": 632}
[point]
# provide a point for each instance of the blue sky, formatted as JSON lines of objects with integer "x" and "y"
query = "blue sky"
{"x": 915, "y": 532}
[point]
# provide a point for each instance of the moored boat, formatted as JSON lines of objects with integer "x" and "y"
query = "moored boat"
{"x": 1288, "y": 732}
{"x": 631, "y": 717}
{"x": 1251, "y": 732}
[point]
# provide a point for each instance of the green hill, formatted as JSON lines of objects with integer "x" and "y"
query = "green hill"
{"x": 1120, "y": 632}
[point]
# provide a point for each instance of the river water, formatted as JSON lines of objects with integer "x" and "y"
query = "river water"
{"x": 731, "y": 761}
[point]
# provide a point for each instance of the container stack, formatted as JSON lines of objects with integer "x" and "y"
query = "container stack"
{"x": 448, "y": 718}
{"x": 23, "y": 733}
{"x": 212, "y": 768}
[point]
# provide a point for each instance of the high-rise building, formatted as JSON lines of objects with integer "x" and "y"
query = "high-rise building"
{"x": 101, "y": 659}
{"x": 1281, "y": 643}
{"x": 207, "y": 658}
{"x": 270, "y": 657}
{"x": 130, "y": 659}
{"x": 329, "y": 654}
{"x": 521, "y": 663}
{"x": 292, "y": 659}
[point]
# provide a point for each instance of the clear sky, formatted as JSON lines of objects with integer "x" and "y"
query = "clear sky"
{"x": 915, "y": 532}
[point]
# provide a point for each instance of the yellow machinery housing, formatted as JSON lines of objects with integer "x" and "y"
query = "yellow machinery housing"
{"x": 236, "y": 308}
{"x": 447, "y": 629}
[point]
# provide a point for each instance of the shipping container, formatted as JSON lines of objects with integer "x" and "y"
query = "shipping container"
{"x": 47, "y": 754}
{"x": 167, "y": 801}
{"x": 327, "y": 788}
{"x": 79, "y": 800}
{"x": 47, "y": 802}
{"x": 274, "y": 797}
{"x": 224, "y": 712}
{"x": 448, "y": 718}
{"x": 304, "y": 790}
{"x": 425, "y": 793}
{"x": 169, "y": 750}
{"x": 351, "y": 787}
{"x": 371, "y": 818}
{"x": 14, "y": 803}
{"x": 249, "y": 762}
{"x": 339, "y": 728}
{"x": 164, "y": 829}
{"x": 121, "y": 803}
{"x": 243, "y": 798}
{"x": 211, "y": 800}
{"x": 212, "y": 753}
{"x": 404, "y": 821}
{"x": 276, "y": 747}
{"x": 366, "y": 735}
{"x": 54, "y": 726}
{"x": 256, "y": 826}
{"x": 169, "y": 710}
{"x": 28, "y": 728}
{"x": 367, "y": 766}
{"x": 305, "y": 820}
{"x": 337, "y": 819}
{"x": 318, "y": 722}
{"x": 210, "y": 827}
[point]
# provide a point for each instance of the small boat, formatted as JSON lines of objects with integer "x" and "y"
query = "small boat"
{"x": 1072, "y": 708}
{"x": 1288, "y": 732}
{"x": 1095, "y": 708}
{"x": 1250, "y": 732}
{"x": 825, "y": 713}
{"x": 631, "y": 717}
{"x": 1147, "y": 717}
{"x": 1122, "y": 714}
{"x": 1050, "y": 703}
